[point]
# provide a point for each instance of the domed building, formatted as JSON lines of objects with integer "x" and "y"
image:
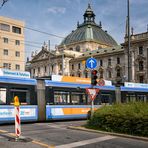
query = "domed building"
{"x": 90, "y": 40}
{"x": 88, "y": 36}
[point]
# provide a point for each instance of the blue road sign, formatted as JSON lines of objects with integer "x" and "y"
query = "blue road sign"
{"x": 91, "y": 63}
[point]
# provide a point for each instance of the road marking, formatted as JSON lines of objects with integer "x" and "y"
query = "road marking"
{"x": 3, "y": 131}
{"x": 85, "y": 142}
{"x": 40, "y": 143}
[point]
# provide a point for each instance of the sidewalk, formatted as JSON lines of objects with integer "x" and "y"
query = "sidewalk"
{"x": 108, "y": 133}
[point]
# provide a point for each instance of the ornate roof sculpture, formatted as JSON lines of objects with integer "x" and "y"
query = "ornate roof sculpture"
{"x": 89, "y": 31}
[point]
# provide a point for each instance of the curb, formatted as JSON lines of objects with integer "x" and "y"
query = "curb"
{"x": 109, "y": 133}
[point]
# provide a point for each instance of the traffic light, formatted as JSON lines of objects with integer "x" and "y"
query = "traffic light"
{"x": 94, "y": 77}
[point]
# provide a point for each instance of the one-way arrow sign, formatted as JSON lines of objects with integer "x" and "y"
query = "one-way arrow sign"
{"x": 92, "y": 92}
{"x": 91, "y": 63}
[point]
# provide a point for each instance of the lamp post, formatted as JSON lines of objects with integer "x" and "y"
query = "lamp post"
{"x": 128, "y": 12}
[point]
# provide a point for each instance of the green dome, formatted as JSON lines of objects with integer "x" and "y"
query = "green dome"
{"x": 89, "y": 31}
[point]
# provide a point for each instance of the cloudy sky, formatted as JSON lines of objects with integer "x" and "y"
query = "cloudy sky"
{"x": 59, "y": 17}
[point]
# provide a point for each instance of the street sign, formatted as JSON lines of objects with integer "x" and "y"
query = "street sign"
{"x": 92, "y": 92}
{"x": 91, "y": 63}
{"x": 101, "y": 82}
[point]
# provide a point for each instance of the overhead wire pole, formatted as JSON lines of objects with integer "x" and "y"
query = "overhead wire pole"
{"x": 128, "y": 15}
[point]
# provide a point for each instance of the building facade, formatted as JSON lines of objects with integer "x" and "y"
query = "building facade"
{"x": 138, "y": 57}
{"x": 12, "y": 54}
{"x": 90, "y": 40}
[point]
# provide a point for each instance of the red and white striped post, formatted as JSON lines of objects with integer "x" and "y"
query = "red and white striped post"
{"x": 17, "y": 118}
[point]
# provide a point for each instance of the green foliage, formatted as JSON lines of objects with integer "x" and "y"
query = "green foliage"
{"x": 131, "y": 118}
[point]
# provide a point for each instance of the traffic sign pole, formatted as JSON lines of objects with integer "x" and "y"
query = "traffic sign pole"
{"x": 92, "y": 92}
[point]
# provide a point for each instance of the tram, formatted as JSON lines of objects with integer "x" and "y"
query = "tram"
{"x": 45, "y": 100}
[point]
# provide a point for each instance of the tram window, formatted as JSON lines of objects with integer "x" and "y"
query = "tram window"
{"x": 130, "y": 97}
{"x": 105, "y": 98}
{"x": 141, "y": 98}
{"x": 78, "y": 98}
{"x": 2, "y": 95}
{"x": 61, "y": 97}
{"x": 23, "y": 95}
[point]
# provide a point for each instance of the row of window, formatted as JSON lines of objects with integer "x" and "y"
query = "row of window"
{"x": 6, "y": 40}
{"x": 6, "y": 27}
{"x": 8, "y": 66}
{"x": 118, "y": 74}
{"x": 101, "y": 63}
{"x": 6, "y": 52}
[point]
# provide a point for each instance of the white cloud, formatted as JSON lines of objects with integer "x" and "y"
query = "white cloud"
{"x": 56, "y": 10}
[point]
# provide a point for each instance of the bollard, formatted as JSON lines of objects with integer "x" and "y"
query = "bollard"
{"x": 17, "y": 118}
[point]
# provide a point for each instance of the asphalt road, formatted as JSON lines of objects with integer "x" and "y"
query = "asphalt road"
{"x": 57, "y": 135}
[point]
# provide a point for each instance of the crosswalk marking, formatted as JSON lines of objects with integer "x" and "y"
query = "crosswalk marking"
{"x": 85, "y": 142}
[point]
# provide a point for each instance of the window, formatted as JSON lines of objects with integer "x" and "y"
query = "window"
{"x": 118, "y": 72}
{"x": 101, "y": 62}
{"x": 17, "y": 42}
{"x": 141, "y": 79}
{"x": 79, "y": 66}
{"x": 38, "y": 69}
{"x": 79, "y": 74}
{"x": 52, "y": 67}
{"x": 86, "y": 75}
{"x": 101, "y": 74}
{"x": 118, "y": 60}
{"x": 7, "y": 65}
{"x": 5, "y": 40}
{"x": 141, "y": 50}
{"x": 78, "y": 48}
{"x": 5, "y": 52}
{"x": 45, "y": 68}
{"x": 61, "y": 97}
{"x": 17, "y": 54}
{"x": 140, "y": 65}
{"x": 109, "y": 62}
{"x": 2, "y": 95}
{"x": 109, "y": 74}
{"x": 72, "y": 67}
{"x": 70, "y": 48}
{"x": 4, "y": 27}
{"x": 60, "y": 67}
{"x": 16, "y": 29}
{"x": 33, "y": 71}
{"x": 22, "y": 93}
{"x": 17, "y": 67}
{"x": 78, "y": 98}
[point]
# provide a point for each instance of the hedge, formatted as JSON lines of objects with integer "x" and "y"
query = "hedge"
{"x": 131, "y": 118}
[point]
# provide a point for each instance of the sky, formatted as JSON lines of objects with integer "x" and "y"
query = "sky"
{"x": 60, "y": 17}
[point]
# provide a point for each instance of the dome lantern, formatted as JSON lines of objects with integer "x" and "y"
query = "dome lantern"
{"x": 89, "y": 15}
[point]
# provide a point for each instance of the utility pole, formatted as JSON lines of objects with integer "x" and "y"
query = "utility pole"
{"x": 128, "y": 16}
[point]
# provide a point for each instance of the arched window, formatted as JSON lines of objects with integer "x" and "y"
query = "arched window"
{"x": 78, "y": 48}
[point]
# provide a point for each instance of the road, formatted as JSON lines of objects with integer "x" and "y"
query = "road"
{"x": 57, "y": 135}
